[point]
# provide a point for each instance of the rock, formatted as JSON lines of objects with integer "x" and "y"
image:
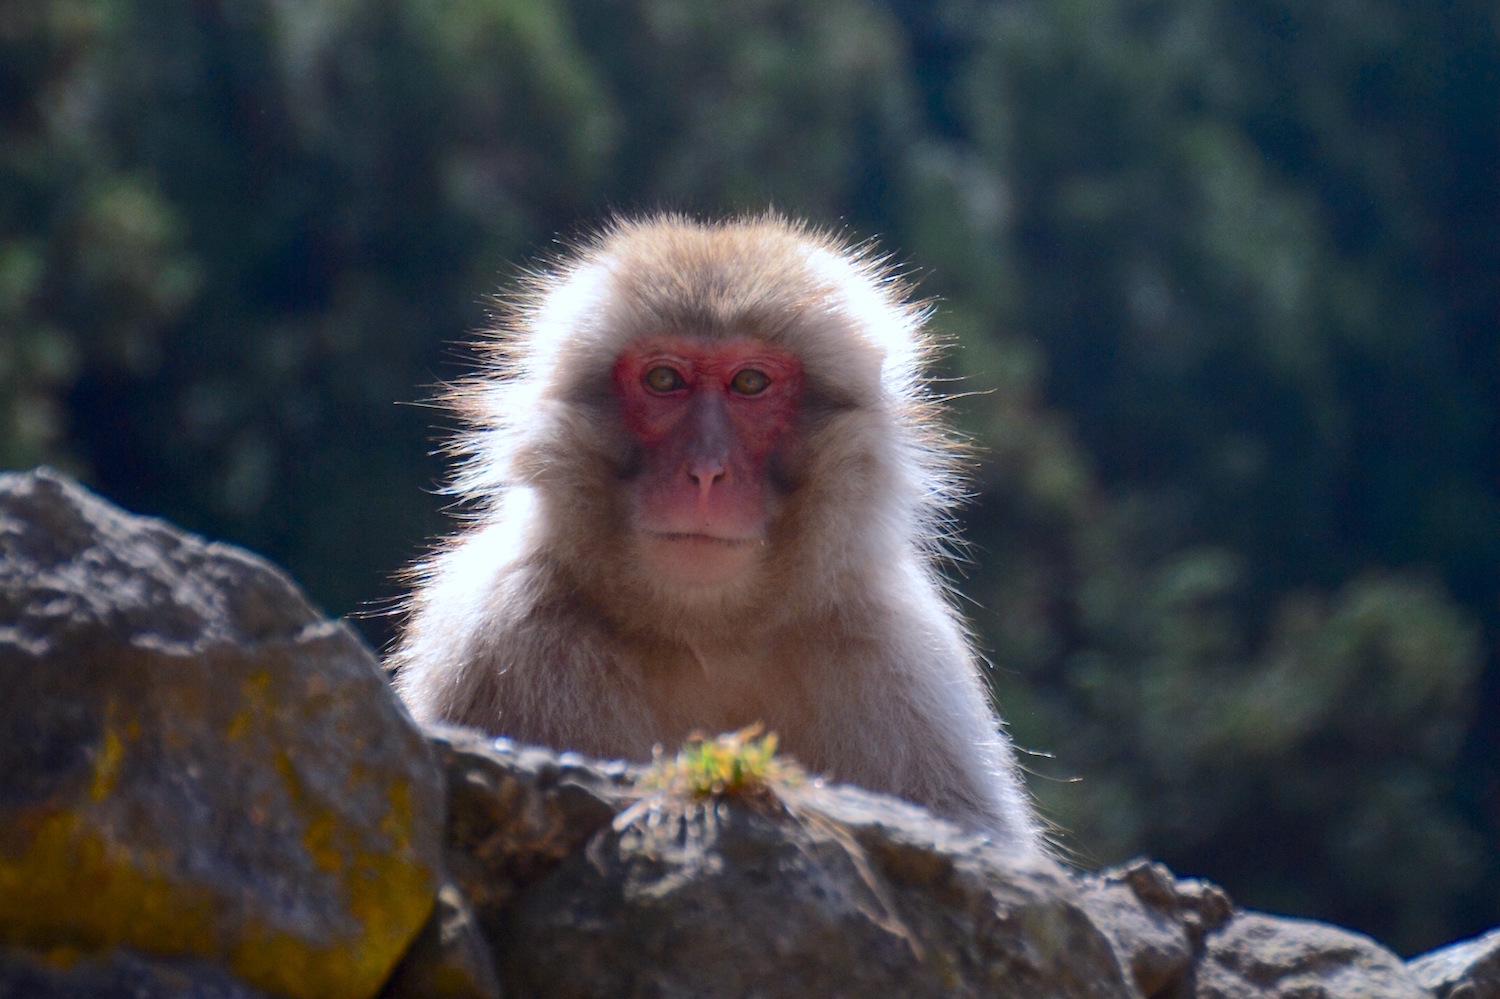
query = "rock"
{"x": 1467, "y": 970}
{"x": 1155, "y": 922}
{"x": 119, "y": 974}
{"x": 516, "y": 812}
{"x": 831, "y": 891}
{"x": 841, "y": 893}
{"x": 450, "y": 958}
{"x": 1184, "y": 938}
{"x": 1256, "y": 956}
{"x": 194, "y": 762}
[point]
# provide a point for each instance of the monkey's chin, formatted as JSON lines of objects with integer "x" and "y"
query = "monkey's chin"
{"x": 699, "y": 560}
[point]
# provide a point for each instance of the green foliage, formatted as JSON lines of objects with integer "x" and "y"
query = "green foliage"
{"x": 736, "y": 764}
{"x": 738, "y": 105}
{"x": 1221, "y": 278}
{"x": 1274, "y": 387}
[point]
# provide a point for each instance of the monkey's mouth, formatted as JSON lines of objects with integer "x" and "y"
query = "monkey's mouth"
{"x": 693, "y": 560}
{"x": 712, "y": 539}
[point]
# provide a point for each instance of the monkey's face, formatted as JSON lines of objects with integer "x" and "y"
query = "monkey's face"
{"x": 707, "y": 418}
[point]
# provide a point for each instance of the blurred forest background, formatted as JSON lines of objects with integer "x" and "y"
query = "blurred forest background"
{"x": 1223, "y": 278}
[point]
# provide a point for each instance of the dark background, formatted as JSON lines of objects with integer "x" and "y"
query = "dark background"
{"x": 1222, "y": 278}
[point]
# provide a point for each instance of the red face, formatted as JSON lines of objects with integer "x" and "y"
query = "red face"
{"x": 708, "y": 415}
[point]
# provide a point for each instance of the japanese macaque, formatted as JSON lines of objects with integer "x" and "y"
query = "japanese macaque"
{"x": 709, "y": 489}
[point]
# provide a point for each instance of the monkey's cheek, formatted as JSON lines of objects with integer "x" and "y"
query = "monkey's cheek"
{"x": 698, "y": 561}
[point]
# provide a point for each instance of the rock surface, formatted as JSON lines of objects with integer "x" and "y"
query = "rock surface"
{"x": 1256, "y": 956}
{"x": 194, "y": 762}
{"x": 450, "y": 959}
{"x": 208, "y": 790}
{"x": 1467, "y": 970}
{"x": 517, "y": 812}
{"x": 847, "y": 900}
{"x": 116, "y": 974}
{"x": 1155, "y": 922}
{"x": 846, "y": 894}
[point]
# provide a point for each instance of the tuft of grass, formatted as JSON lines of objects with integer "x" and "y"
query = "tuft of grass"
{"x": 739, "y": 764}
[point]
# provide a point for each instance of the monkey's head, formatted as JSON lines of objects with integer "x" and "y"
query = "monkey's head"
{"x": 713, "y": 418}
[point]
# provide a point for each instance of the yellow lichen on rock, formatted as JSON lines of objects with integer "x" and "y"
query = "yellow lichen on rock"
{"x": 74, "y": 887}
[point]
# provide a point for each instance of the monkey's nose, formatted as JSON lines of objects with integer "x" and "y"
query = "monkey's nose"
{"x": 706, "y": 474}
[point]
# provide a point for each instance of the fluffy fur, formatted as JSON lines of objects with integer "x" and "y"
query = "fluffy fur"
{"x": 537, "y": 623}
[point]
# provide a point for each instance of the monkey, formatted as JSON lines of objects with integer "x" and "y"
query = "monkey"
{"x": 709, "y": 486}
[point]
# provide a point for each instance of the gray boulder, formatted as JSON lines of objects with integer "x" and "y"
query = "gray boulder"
{"x": 194, "y": 762}
{"x": 1256, "y": 956}
{"x": 831, "y": 892}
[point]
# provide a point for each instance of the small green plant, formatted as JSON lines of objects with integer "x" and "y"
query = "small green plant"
{"x": 739, "y": 764}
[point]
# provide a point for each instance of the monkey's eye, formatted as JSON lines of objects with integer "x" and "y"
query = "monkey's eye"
{"x": 663, "y": 380}
{"x": 750, "y": 382}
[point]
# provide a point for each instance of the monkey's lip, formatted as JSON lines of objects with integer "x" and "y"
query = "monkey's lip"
{"x": 694, "y": 537}
{"x": 696, "y": 561}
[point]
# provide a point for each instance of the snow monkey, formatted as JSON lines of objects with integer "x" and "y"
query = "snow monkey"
{"x": 709, "y": 488}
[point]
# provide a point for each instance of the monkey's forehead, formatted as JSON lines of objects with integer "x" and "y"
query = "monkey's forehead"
{"x": 844, "y": 317}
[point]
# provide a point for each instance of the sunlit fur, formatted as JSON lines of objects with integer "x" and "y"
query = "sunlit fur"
{"x": 538, "y": 621}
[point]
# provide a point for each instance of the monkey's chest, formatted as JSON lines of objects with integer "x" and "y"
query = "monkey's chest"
{"x": 712, "y": 694}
